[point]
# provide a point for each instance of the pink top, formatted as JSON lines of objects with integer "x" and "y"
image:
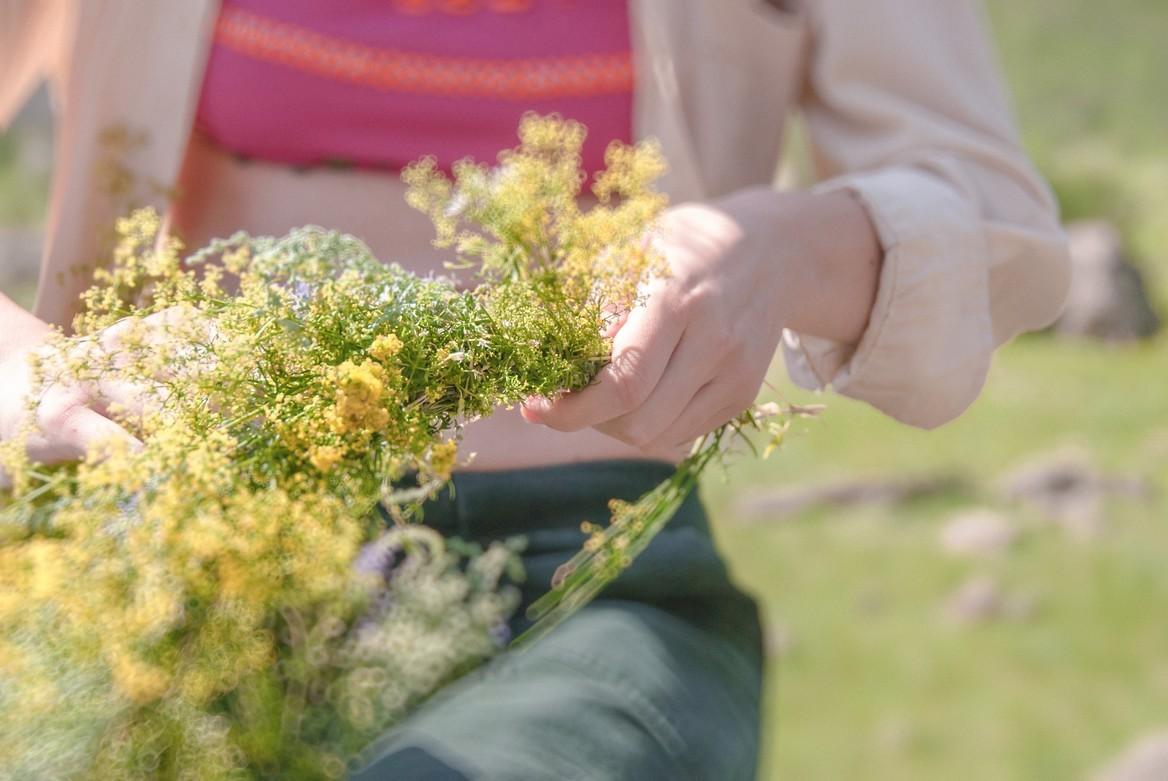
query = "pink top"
{"x": 379, "y": 83}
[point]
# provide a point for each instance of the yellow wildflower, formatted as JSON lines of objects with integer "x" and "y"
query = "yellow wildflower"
{"x": 442, "y": 458}
{"x": 138, "y": 681}
{"x": 325, "y": 457}
{"x": 385, "y": 347}
{"x": 360, "y": 398}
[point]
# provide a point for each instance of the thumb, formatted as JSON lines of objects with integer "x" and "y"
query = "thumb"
{"x": 77, "y": 432}
{"x": 81, "y": 430}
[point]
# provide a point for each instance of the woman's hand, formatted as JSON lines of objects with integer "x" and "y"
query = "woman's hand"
{"x": 69, "y": 417}
{"x": 695, "y": 354}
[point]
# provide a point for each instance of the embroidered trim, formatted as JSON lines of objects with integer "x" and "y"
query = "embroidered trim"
{"x": 401, "y": 71}
{"x": 461, "y": 7}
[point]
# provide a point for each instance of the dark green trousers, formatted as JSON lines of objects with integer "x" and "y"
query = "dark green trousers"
{"x": 659, "y": 678}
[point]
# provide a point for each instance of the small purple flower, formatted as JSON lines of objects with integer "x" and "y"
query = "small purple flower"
{"x": 377, "y": 560}
{"x": 501, "y": 634}
{"x": 301, "y": 293}
{"x": 378, "y": 557}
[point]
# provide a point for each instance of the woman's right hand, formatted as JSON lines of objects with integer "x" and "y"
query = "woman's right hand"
{"x": 69, "y": 418}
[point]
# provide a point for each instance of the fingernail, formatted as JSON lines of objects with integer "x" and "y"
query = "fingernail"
{"x": 533, "y": 408}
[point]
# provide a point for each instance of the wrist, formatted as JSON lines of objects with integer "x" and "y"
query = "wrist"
{"x": 825, "y": 255}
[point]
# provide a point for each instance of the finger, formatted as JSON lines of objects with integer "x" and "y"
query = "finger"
{"x": 716, "y": 403}
{"x": 171, "y": 317}
{"x": 614, "y": 321}
{"x": 74, "y": 433}
{"x": 688, "y": 371}
{"x": 641, "y": 351}
{"x": 120, "y": 400}
{"x": 133, "y": 338}
{"x": 87, "y": 431}
{"x": 112, "y": 336}
{"x": 105, "y": 388}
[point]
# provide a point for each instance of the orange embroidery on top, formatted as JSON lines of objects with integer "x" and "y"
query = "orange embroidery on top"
{"x": 394, "y": 69}
{"x": 461, "y": 7}
{"x": 412, "y": 7}
{"x": 458, "y": 7}
{"x": 509, "y": 6}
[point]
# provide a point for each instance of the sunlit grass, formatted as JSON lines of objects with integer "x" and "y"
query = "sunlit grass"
{"x": 22, "y": 193}
{"x": 875, "y": 684}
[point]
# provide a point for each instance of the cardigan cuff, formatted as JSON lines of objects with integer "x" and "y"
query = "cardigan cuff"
{"x": 925, "y": 352}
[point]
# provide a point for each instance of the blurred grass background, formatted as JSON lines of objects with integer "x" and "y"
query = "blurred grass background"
{"x": 870, "y": 680}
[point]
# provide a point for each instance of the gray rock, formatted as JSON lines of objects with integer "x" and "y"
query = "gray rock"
{"x": 979, "y": 532}
{"x": 976, "y": 600}
{"x": 1144, "y": 760}
{"x": 1107, "y": 299}
{"x": 981, "y": 599}
{"x": 1065, "y": 488}
{"x": 1022, "y": 607}
{"x": 1049, "y": 475}
{"x": 787, "y": 501}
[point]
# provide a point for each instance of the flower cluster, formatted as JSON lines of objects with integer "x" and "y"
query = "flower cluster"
{"x": 225, "y": 601}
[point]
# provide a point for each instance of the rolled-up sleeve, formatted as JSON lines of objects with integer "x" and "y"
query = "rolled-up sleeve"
{"x": 905, "y": 108}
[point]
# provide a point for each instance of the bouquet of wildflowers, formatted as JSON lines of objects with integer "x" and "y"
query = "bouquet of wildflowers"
{"x": 227, "y": 600}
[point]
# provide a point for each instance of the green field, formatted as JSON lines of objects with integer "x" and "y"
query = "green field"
{"x": 869, "y": 680}
{"x": 875, "y": 683}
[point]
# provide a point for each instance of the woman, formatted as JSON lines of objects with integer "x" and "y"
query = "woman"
{"x": 928, "y": 241}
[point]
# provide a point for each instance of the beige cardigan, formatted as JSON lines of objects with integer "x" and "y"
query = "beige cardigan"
{"x": 902, "y": 101}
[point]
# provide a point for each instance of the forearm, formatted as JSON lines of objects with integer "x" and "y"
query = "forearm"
{"x": 831, "y": 273}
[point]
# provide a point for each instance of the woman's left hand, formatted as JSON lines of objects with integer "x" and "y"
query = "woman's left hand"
{"x": 695, "y": 353}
